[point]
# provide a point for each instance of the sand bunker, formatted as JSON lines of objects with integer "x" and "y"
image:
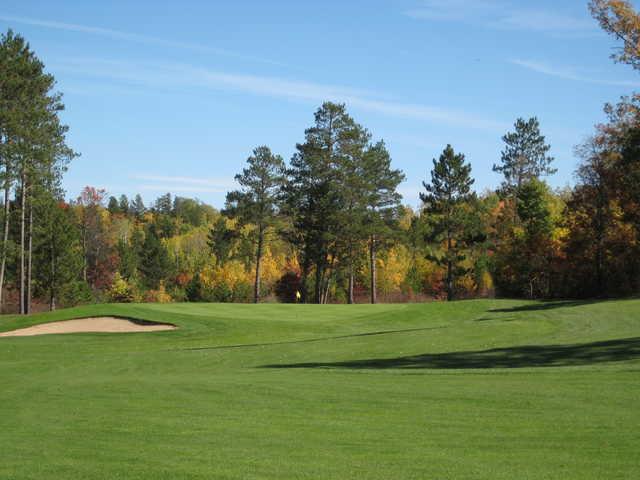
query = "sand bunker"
{"x": 96, "y": 324}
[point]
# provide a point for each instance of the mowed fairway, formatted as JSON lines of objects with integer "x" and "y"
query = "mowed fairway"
{"x": 476, "y": 389}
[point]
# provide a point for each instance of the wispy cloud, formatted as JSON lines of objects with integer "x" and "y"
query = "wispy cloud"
{"x": 132, "y": 37}
{"x": 501, "y": 15}
{"x": 451, "y": 10}
{"x": 177, "y": 188}
{"x": 180, "y": 184}
{"x": 162, "y": 76}
{"x": 569, "y": 73}
{"x": 545, "y": 21}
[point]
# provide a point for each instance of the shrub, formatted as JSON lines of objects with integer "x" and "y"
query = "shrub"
{"x": 121, "y": 291}
{"x": 287, "y": 287}
{"x": 76, "y": 293}
{"x": 158, "y": 296}
{"x": 195, "y": 290}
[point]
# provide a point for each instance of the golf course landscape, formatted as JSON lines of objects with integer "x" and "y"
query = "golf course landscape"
{"x": 482, "y": 389}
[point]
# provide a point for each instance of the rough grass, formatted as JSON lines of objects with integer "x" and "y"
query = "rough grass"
{"x": 476, "y": 389}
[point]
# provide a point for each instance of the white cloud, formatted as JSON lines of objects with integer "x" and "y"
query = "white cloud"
{"x": 221, "y": 182}
{"x": 569, "y": 73}
{"x": 451, "y": 10}
{"x": 501, "y": 15}
{"x": 182, "y": 184}
{"x": 131, "y": 37}
{"x": 544, "y": 21}
{"x": 162, "y": 76}
{"x": 176, "y": 188}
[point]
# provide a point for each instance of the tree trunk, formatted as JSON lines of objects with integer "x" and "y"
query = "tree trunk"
{"x": 326, "y": 280}
{"x": 373, "y": 268}
{"x": 29, "y": 259}
{"x": 304, "y": 279}
{"x": 351, "y": 281}
{"x": 318, "y": 285}
{"x": 256, "y": 286}
{"x": 52, "y": 288}
{"x": 84, "y": 245}
{"x": 5, "y": 235}
{"x": 22, "y": 241}
{"x": 449, "y": 270}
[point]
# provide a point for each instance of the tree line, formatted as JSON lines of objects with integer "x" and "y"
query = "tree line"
{"x": 329, "y": 224}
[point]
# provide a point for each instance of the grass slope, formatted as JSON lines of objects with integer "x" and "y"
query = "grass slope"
{"x": 475, "y": 389}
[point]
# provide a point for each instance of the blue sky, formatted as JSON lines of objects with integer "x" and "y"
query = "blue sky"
{"x": 173, "y": 96}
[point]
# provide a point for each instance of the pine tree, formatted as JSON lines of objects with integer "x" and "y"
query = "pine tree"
{"x": 354, "y": 186}
{"x": 113, "y": 206}
{"x": 221, "y": 240}
{"x": 525, "y": 156}
{"x": 164, "y": 204}
{"x": 123, "y": 204}
{"x": 450, "y": 221}
{"x": 382, "y": 203}
{"x": 256, "y": 203}
{"x": 314, "y": 197}
{"x": 128, "y": 260}
{"x": 34, "y": 149}
{"x": 154, "y": 259}
{"x": 57, "y": 243}
{"x": 137, "y": 207}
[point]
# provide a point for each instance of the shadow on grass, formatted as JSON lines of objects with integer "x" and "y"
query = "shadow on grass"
{"x": 515, "y": 357}
{"x": 314, "y": 340}
{"x": 545, "y": 306}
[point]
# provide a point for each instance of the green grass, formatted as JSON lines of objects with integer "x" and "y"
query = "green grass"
{"x": 475, "y": 389}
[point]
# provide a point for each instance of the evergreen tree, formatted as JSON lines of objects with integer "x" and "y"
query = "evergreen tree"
{"x": 523, "y": 259}
{"x": 353, "y": 184}
{"x": 58, "y": 249}
{"x": 113, "y": 206}
{"x": 195, "y": 291}
{"x": 221, "y": 240}
{"x": 164, "y": 204}
{"x": 450, "y": 220}
{"x": 137, "y": 207}
{"x": 33, "y": 147}
{"x": 525, "y": 156}
{"x": 128, "y": 260}
{"x": 382, "y": 203}
{"x": 154, "y": 259}
{"x": 123, "y": 204}
{"x": 314, "y": 196}
{"x": 256, "y": 203}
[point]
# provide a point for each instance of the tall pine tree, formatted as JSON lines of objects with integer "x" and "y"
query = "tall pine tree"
{"x": 313, "y": 195}
{"x": 256, "y": 203}
{"x": 525, "y": 156}
{"x": 450, "y": 220}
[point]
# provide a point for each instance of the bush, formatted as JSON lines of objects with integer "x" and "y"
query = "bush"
{"x": 242, "y": 292}
{"x": 158, "y": 296}
{"x": 195, "y": 290}
{"x": 76, "y": 293}
{"x": 121, "y": 291}
{"x": 287, "y": 287}
{"x": 221, "y": 292}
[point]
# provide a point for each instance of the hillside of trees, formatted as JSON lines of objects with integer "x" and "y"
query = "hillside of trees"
{"x": 329, "y": 224}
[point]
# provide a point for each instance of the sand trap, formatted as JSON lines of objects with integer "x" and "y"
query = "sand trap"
{"x": 85, "y": 325}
